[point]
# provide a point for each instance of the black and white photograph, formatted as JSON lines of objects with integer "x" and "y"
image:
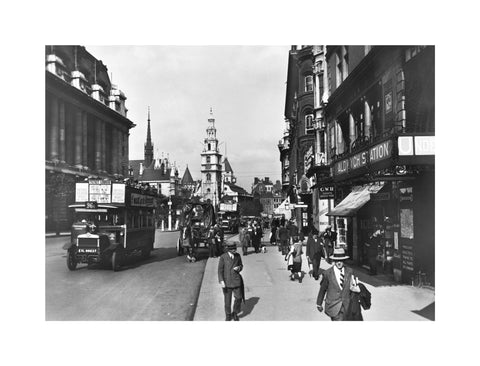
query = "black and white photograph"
{"x": 325, "y": 181}
{"x": 245, "y": 183}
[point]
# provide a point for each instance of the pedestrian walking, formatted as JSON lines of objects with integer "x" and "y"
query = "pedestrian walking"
{"x": 257, "y": 236}
{"x": 273, "y": 233}
{"x": 244, "y": 237}
{"x": 292, "y": 229}
{"x": 283, "y": 240}
{"x": 229, "y": 267}
{"x": 212, "y": 251}
{"x": 338, "y": 282}
{"x": 218, "y": 236}
{"x": 295, "y": 254}
{"x": 314, "y": 254}
{"x": 329, "y": 239}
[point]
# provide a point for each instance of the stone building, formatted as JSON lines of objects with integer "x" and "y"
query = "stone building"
{"x": 86, "y": 128}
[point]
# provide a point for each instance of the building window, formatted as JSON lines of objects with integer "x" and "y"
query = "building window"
{"x": 209, "y": 177}
{"x": 208, "y": 159}
{"x": 308, "y": 122}
{"x": 308, "y": 83}
{"x": 341, "y": 57}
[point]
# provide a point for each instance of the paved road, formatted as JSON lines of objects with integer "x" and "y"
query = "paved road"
{"x": 163, "y": 287}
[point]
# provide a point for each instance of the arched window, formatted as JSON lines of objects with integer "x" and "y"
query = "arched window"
{"x": 209, "y": 177}
{"x": 208, "y": 159}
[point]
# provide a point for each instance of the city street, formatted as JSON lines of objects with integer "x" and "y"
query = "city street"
{"x": 271, "y": 296}
{"x": 164, "y": 287}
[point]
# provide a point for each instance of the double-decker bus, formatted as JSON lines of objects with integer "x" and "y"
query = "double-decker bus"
{"x": 112, "y": 220}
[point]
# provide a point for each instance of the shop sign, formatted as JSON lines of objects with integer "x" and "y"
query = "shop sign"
{"x": 359, "y": 160}
{"x": 424, "y": 145}
{"x": 342, "y": 167}
{"x": 377, "y": 153}
{"x": 380, "y": 152}
{"x": 326, "y": 192}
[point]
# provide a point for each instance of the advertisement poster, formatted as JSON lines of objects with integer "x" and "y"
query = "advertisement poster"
{"x": 406, "y": 223}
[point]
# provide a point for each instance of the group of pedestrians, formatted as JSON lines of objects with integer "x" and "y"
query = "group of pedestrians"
{"x": 340, "y": 294}
{"x": 215, "y": 241}
{"x": 251, "y": 235}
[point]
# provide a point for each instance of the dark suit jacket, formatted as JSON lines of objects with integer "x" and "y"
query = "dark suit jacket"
{"x": 226, "y": 273}
{"x": 335, "y": 297}
{"x": 313, "y": 247}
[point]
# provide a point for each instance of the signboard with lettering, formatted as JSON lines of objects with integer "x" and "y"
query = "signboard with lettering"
{"x": 342, "y": 167}
{"x": 100, "y": 193}
{"x": 81, "y": 192}
{"x": 424, "y": 145}
{"x": 326, "y": 192}
{"x": 141, "y": 200}
{"x": 380, "y": 152}
{"x": 358, "y": 160}
{"x": 407, "y": 257}
{"x": 118, "y": 193}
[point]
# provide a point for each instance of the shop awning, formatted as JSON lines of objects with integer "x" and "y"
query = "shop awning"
{"x": 359, "y": 196}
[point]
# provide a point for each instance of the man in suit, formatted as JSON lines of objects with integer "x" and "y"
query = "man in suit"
{"x": 337, "y": 283}
{"x": 314, "y": 254}
{"x": 229, "y": 268}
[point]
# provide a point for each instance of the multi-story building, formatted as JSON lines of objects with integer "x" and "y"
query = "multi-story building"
{"x": 86, "y": 128}
{"x": 269, "y": 194}
{"x": 297, "y": 145}
{"x": 376, "y": 134}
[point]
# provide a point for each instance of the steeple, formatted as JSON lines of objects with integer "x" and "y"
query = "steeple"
{"x": 148, "y": 145}
{"x": 211, "y": 130}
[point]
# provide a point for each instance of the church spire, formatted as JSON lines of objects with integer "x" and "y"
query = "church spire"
{"x": 148, "y": 145}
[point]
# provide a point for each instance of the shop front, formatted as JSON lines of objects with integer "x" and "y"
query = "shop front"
{"x": 385, "y": 213}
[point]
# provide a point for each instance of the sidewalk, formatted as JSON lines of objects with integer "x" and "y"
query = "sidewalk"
{"x": 270, "y": 295}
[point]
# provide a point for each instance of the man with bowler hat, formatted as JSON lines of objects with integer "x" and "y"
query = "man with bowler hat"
{"x": 229, "y": 268}
{"x": 337, "y": 284}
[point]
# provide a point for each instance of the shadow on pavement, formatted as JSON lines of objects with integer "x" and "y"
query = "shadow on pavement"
{"x": 427, "y": 312}
{"x": 248, "y": 306}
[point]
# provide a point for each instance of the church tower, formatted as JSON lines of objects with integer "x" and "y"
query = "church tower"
{"x": 211, "y": 164}
{"x": 148, "y": 149}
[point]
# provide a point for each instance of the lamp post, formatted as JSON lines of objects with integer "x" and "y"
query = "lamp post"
{"x": 169, "y": 213}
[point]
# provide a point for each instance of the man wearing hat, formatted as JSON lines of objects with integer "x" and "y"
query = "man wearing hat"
{"x": 229, "y": 268}
{"x": 329, "y": 238}
{"x": 337, "y": 283}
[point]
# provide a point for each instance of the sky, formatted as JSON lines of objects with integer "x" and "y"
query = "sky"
{"x": 244, "y": 85}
